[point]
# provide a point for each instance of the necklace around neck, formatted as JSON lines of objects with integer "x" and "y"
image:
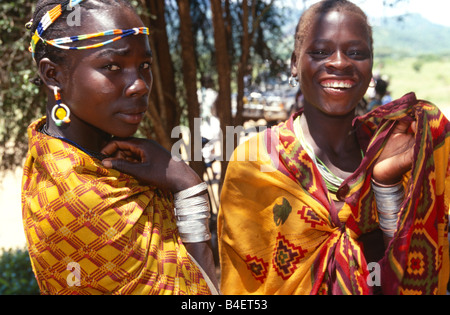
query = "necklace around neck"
{"x": 94, "y": 154}
{"x": 332, "y": 181}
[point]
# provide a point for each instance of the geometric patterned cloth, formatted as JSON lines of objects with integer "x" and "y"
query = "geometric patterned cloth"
{"x": 92, "y": 230}
{"x": 280, "y": 232}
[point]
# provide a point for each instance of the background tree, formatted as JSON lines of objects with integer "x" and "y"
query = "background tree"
{"x": 189, "y": 70}
{"x": 164, "y": 108}
{"x": 20, "y": 101}
{"x": 221, "y": 40}
{"x": 252, "y": 16}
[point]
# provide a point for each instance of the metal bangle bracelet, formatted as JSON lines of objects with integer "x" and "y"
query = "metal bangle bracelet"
{"x": 389, "y": 233}
{"x": 386, "y": 186}
{"x": 192, "y": 191}
{"x": 194, "y": 231}
{"x": 186, "y": 213}
{"x": 194, "y": 201}
{"x": 393, "y": 216}
{"x": 195, "y": 238}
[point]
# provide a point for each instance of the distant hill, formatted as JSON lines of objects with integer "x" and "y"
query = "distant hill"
{"x": 402, "y": 36}
{"x": 410, "y": 35}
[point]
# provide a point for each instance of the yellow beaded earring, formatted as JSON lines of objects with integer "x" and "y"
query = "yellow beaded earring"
{"x": 60, "y": 112}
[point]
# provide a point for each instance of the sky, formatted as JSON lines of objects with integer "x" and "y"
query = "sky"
{"x": 434, "y": 10}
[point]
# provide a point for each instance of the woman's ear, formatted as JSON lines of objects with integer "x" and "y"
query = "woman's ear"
{"x": 294, "y": 69}
{"x": 50, "y": 73}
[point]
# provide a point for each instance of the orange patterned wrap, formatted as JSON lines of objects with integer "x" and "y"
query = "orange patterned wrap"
{"x": 91, "y": 230}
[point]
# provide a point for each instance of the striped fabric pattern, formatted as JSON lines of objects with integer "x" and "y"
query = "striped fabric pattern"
{"x": 119, "y": 236}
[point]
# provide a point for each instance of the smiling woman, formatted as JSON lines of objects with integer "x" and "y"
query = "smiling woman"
{"x": 98, "y": 210}
{"x": 338, "y": 57}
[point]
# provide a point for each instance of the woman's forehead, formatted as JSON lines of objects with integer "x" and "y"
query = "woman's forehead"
{"x": 99, "y": 20}
{"x": 130, "y": 46}
{"x": 332, "y": 23}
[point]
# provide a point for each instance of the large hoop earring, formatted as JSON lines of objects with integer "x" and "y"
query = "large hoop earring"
{"x": 293, "y": 81}
{"x": 60, "y": 112}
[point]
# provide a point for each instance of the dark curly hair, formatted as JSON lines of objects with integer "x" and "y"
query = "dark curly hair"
{"x": 59, "y": 28}
{"x": 308, "y": 17}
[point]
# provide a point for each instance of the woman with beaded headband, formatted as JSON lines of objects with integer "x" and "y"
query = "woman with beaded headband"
{"x": 350, "y": 205}
{"x": 104, "y": 215}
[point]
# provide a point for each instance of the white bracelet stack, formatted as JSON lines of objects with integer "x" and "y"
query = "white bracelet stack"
{"x": 389, "y": 200}
{"x": 193, "y": 212}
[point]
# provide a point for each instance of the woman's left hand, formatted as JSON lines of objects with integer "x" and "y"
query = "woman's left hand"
{"x": 150, "y": 163}
{"x": 397, "y": 156}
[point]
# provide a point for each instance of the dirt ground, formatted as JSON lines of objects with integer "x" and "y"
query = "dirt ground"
{"x": 11, "y": 228}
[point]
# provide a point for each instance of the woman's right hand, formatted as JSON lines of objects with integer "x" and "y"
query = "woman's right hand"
{"x": 397, "y": 156}
{"x": 150, "y": 163}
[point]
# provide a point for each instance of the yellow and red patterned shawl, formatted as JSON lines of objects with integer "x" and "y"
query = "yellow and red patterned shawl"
{"x": 91, "y": 230}
{"x": 280, "y": 233}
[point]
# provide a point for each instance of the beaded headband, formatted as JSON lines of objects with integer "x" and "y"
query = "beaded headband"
{"x": 51, "y": 16}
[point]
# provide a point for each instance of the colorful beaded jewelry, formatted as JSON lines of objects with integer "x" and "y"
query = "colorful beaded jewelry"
{"x": 48, "y": 19}
{"x": 123, "y": 33}
{"x": 60, "y": 112}
{"x": 56, "y": 12}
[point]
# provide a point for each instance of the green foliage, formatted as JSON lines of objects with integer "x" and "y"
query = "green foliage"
{"x": 417, "y": 65}
{"x": 430, "y": 83}
{"x": 16, "y": 275}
